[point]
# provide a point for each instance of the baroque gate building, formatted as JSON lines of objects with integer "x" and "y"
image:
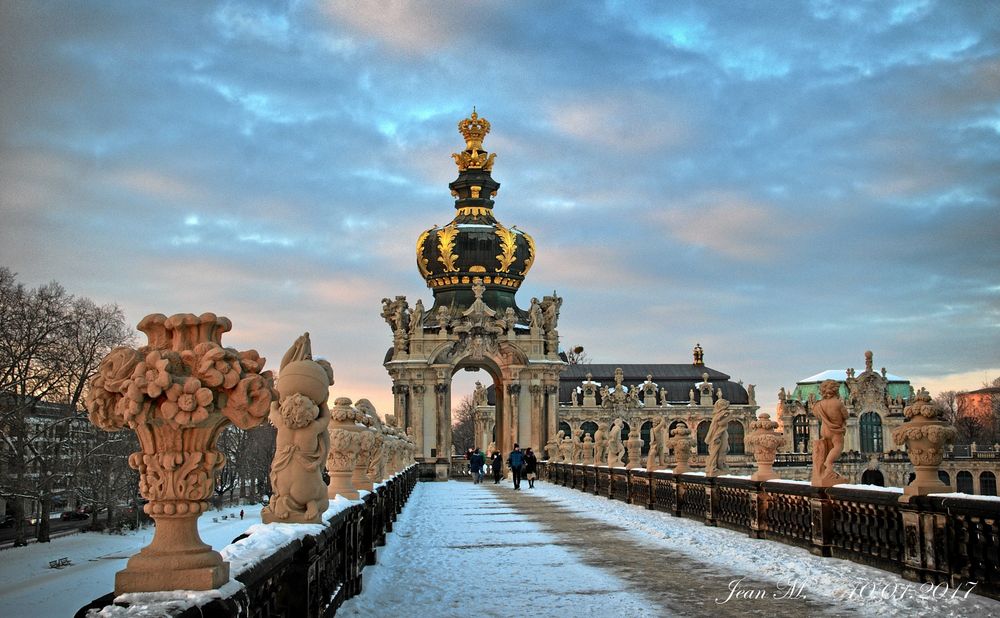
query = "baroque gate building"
{"x": 474, "y": 267}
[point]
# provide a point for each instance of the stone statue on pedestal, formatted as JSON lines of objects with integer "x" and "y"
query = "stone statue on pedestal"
{"x": 718, "y": 439}
{"x": 832, "y": 414}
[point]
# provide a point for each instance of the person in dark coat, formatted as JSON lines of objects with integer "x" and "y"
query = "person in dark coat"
{"x": 497, "y": 463}
{"x": 476, "y": 462}
{"x": 516, "y": 462}
{"x": 530, "y": 467}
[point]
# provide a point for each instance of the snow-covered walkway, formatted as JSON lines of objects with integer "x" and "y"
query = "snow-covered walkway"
{"x": 459, "y": 549}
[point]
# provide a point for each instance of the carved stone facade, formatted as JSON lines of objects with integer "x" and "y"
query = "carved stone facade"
{"x": 474, "y": 266}
{"x": 874, "y": 400}
{"x": 592, "y": 397}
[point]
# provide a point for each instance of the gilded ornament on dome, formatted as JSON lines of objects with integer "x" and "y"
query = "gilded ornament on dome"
{"x": 421, "y": 260}
{"x": 508, "y": 245}
{"x": 446, "y": 244}
{"x": 474, "y": 129}
{"x": 531, "y": 254}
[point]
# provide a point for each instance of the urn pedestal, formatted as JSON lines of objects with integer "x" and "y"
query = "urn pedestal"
{"x": 925, "y": 438}
{"x": 764, "y": 443}
{"x": 178, "y": 393}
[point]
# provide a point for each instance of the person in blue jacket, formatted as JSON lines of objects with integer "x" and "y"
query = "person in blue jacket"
{"x": 516, "y": 462}
{"x": 476, "y": 462}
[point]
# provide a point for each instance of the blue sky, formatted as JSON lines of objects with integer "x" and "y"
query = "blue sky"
{"x": 788, "y": 184}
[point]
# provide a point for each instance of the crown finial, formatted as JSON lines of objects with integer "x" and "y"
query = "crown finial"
{"x": 474, "y": 129}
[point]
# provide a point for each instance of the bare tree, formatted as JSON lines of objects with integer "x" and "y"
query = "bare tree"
{"x": 50, "y": 345}
{"x": 576, "y": 356}
{"x": 463, "y": 429}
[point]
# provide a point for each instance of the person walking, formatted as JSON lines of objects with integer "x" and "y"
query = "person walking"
{"x": 530, "y": 467}
{"x": 476, "y": 462}
{"x": 516, "y": 462}
{"x": 496, "y": 462}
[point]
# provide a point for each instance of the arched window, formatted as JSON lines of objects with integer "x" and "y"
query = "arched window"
{"x": 564, "y": 427}
{"x": 944, "y": 477}
{"x": 871, "y": 433}
{"x": 625, "y": 431}
{"x": 873, "y": 477}
{"x": 702, "y": 433}
{"x": 644, "y": 434}
{"x": 987, "y": 483}
{"x": 588, "y": 427}
{"x": 963, "y": 482}
{"x": 735, "y": 431}
{"x": 674, "y": 425}
{"x": 800, "y": 431}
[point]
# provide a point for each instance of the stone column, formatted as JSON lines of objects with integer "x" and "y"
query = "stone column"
{"x": 400, "y": 391}
{"x": 552, "y": 409}
{"x": 925, "y": 437}
{"x": 537, "y": 414}
{"x": 178, "y": 393}
{"x": 442, "y": 404}
{"x": 514, "y": 396}
{"x": 418, "y": 419}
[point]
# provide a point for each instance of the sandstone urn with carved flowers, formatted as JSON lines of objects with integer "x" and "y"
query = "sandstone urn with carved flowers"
{"x": 925, "y": 437}
{"x": 764, "y": 443}
{"x": 680, "y": 443}
{"x": 178, "y": 392}
{"x": 345, "y": 448}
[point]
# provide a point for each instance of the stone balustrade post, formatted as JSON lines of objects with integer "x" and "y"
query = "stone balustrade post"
{"x": 634, "y": 449}
{"x": 366, "y": 452}
{"x": 178, "y": 392}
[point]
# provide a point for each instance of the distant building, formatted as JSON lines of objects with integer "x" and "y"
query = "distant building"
{"x": 978, "y": 404}
{"x": 874, "y": 399}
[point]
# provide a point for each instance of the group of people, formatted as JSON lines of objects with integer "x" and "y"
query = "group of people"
{"x": 522, "y": 465}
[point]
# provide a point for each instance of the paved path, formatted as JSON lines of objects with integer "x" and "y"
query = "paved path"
{"x": 460, "y": 549}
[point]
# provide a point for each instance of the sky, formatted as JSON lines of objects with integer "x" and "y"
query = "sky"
{"x": 787, "y": 183}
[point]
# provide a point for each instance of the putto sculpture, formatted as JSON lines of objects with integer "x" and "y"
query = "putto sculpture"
{"x": 832, "y": 414}
{"x": 616, "y": 449}
{"x": 302, "y": 443}
{"x": 718, "y": 439}
{"x": 178, "y": 392}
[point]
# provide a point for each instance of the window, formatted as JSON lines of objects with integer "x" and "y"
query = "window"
{"x": 644, "y": 434}
{"x": 702, "y": 433}
{"x": 871, "y": 433}
{"x": 589, "y": 427}
{"x": 987, "y": 483}
{"x": 800, "y": 431}
{"x": 564, "y": 427}
{"x": 945, "y": 478}
{"x": 735, "y": 431}
{"x": 963, "y": 482}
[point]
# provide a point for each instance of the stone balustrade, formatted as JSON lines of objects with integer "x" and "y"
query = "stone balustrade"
{"x": 311, "y": 576}
{"x": 938, "y": 539}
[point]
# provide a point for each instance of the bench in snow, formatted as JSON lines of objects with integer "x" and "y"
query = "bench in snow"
{"x": 60, "y": 563}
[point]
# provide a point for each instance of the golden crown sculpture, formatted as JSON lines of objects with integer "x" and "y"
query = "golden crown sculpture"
{"x": 474, "y": 129}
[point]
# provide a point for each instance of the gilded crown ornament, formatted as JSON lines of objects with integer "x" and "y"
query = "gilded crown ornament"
{"x": 474, "y": 129}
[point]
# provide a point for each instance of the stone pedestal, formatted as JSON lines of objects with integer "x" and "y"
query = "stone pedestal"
{"x": 634, "y": 446}
{"x": 680, "y": 442}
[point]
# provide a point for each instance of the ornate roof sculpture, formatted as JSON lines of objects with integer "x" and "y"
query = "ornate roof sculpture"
{"x": 474, "y": 244}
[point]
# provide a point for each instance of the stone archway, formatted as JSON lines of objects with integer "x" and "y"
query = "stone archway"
{"x": 474, "y": 266}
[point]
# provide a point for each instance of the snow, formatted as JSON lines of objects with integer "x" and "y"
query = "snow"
{"x": 27, "y": 583}
{"x": 841, "y": 376}
{"x": 458, "y": 550}
{"x": 855, "y": 588}
{"x": 968, "y": 497}
{"x": 891, "y": 490}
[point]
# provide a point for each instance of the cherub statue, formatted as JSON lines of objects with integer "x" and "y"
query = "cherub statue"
{"x": 832, "y": 414}
{"x": 655, "y": 459}
{"x": 718, "y": 439}
{"x": 616, "y": 449}
{"x": 600, "y": 443}
{"x": 302, "y": 443}
{"x": 577, "y": 441}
